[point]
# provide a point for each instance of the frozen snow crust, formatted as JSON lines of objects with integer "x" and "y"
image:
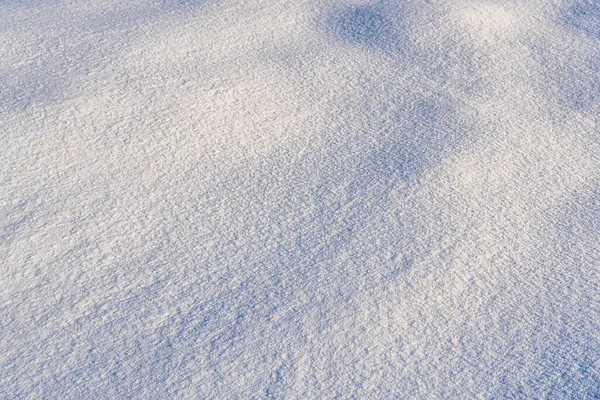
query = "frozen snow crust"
{"x": 300, "y": 199}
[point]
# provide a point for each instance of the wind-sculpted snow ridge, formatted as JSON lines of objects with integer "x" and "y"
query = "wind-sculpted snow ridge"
{"x": 300, "y": 199}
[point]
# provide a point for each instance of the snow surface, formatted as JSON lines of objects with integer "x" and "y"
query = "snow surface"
{"x": 300, "y": 199}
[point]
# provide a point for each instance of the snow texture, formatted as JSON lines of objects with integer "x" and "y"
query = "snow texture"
{"x": 304, "y": 199}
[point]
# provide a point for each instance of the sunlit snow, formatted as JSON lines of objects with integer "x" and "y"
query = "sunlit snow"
{"x": 300, "y": 199}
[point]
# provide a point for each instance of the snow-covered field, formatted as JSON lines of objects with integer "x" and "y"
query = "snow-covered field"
{"x": 300, "y": 199}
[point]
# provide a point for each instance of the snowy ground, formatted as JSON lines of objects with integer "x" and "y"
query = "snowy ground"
{"x": 302, "y": 199}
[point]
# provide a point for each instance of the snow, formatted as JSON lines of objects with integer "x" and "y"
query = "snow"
{"x": 300, "y": 199}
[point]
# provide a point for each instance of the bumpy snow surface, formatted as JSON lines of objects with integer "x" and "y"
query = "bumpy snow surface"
{"x": 300, "y": 199}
